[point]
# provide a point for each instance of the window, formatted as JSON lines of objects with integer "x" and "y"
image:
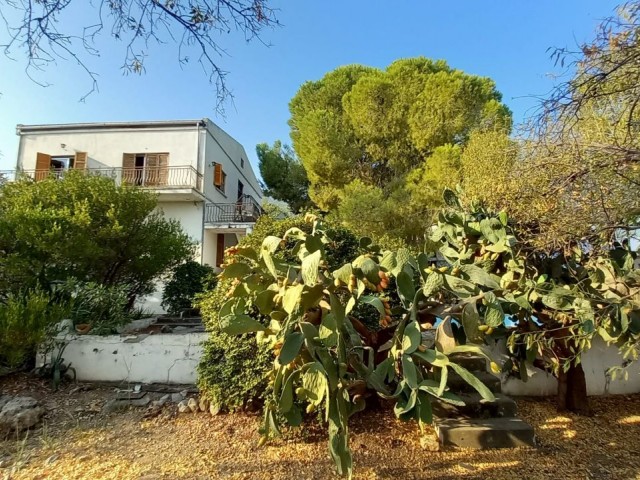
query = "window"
{"x": 219, "y": 177}
{"x": 145, "y": 169}
{"x": 240, "y": 189}
{"x": 241, "y": 162}
{"x": 58, "y": 164}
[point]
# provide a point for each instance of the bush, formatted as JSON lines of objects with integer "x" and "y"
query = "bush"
{"x": 85, "y": 227}
{"x": 25, "y": 322}
{"x": 187, "y": 280}
{"x": 233, "y": 369}
{"x": 102, "y": 307}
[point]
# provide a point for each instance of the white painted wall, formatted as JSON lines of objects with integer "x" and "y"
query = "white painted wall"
{"x": 221, "y": 148}
{"x": 595, "y": 363}
{"x": 105, "y": 147}
{"x": 164, "y": 358}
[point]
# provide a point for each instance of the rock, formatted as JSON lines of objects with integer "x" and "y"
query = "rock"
{"x": 203, "y": 403}
{"x": 193, "y": 405}
{"x": 214, "y": 408}
{"x": 115, "y": 406}
{"x": 177, "y": 397}
{"x": 183, "y": 407}
{"x": 164, "y": 399}
{"x": 20, "y": 413}
{"x": 429, "y": 443}
{"x": 445, "y": 341}
{"x": 141, "y": 402}
{"x": 184, "y": 393}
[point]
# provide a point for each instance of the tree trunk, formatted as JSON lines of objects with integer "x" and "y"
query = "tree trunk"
{"x": 572, "y": 391}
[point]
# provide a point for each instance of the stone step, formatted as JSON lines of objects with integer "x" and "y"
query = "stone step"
{"x": 456, "y": 384}
{"x": 470, "y": 361}
{"x": 476, "y": 407}
{"x": 484, "y": 433}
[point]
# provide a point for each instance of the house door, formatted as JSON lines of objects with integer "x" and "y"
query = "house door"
{"x": 220, "y": 249}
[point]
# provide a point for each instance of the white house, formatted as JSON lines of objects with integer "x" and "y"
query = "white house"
{"x": 201, "y": 174}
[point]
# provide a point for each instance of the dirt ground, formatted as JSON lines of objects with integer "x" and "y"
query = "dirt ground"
{"x": 78, "y": 441}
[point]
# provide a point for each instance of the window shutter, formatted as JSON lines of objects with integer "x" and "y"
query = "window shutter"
{"x": 129, "y": 168}
{"x": 43, "y": 164}
{"x": 80, "y": 162}
{"x": 151, "y": 161}
{"x": 217, "y": 175}
{"x": 163, "y": 168}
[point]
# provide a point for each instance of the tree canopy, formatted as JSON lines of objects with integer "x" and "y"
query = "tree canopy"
{"x": 85, "y": 227}
{"x": 46, "y": 31}
{"x": 283, "y": 175}
{"x": 573, "y": 176}
{"x": 387, "y": 141}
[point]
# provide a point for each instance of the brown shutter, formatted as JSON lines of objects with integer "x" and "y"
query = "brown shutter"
{"x": 151, "y": 173}
{"x": 163, "y": 168}
{"x": 217, "y": 175}
{"x": 43, "y": 165}
{"x": 80, "y": 162}
{"x": 129, "y": 168}
{"x": 219, "y": 249}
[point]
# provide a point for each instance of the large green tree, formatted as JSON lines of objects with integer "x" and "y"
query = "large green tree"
{"x": 283, "y": 175}
{"x": 85, "y": 227}
{"x": 387, "y": 142}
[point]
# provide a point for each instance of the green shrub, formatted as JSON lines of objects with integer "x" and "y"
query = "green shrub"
{"x": 233, "y": 369}
{"x": 102, "y": 307}
{"x": 25, "y": 322}
{"x": 187, "y": 280}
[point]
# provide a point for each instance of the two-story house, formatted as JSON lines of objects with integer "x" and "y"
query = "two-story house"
{"x": 201, "y": 174}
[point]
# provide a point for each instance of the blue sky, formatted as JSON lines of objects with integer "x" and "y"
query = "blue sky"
{"x": 505, "y": 40}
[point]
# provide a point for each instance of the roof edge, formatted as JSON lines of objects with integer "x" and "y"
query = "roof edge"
{"x": 53, "y": 127}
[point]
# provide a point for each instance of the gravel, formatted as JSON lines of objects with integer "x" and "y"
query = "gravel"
{"x": 201, "y": 446}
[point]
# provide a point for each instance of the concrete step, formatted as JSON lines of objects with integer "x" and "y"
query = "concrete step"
{"x": 476, "y": 407}
{"x": 470, "y": 361}
{"x": 484, "y": 433}
{"x": 457, "y": 384}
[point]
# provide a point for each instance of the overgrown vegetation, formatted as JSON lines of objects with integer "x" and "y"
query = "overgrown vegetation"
{"x": 548, "y": 309}
{"x": 187, "y": 281}
{"x": 25, "y": 322}
{"x": 233, "y": 370}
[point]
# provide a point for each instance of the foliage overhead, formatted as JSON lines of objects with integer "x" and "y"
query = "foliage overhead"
{"x": 283, "y": 175}
{"x": 85, "y": 227}
{"x": 574, "y": 175}
{"x": 389, "y": 140}
{"x": 47, "y": 32}
{"x": 548, "y": 309}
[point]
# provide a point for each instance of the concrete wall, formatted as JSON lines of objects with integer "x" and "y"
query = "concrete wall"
{"x": 595, "y": 364}
{"x": 105, "y": 147}
{"x": 165, "y": 358}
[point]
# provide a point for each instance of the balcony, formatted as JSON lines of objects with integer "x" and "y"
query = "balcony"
{"x": 171, "y": 183}
{"x": 245, "y": 210}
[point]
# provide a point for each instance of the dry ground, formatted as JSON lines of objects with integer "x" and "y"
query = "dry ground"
{"x": 78, "y": 442}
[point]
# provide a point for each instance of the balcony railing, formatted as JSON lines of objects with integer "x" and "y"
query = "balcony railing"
{"x": 245, "y": 210}
{"x": 149, "y": 177}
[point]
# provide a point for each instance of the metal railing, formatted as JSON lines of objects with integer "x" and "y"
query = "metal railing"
{"x": 245, "y": 210}
{"x": 149, "y": 177}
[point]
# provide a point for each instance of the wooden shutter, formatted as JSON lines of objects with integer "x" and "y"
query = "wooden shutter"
{"x": 219, "y": 249}
{"x": 217, "y": 175}
{"x": 151, "y": 173}
{"x": 129, "y": 168}
{"x": 163, "y": 168}
{"x": 80, "y": 162}
{"x": 43, "y": 165}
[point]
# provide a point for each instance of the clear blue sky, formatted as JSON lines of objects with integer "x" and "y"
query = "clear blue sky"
{"x": 505, "y": 40}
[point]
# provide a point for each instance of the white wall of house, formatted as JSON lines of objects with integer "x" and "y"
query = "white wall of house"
{"x": 105, "y": 148}
{"x": 223, "y": 149}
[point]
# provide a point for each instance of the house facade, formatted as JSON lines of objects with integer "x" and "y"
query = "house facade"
{"x": 202, "y": 176}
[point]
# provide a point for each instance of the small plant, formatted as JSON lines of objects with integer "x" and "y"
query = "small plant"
{"x": 56, "y": 369}
{"x": 98, "y": 308}
{"x": 25, "y": 322}
{"x": 187, "y": 281}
